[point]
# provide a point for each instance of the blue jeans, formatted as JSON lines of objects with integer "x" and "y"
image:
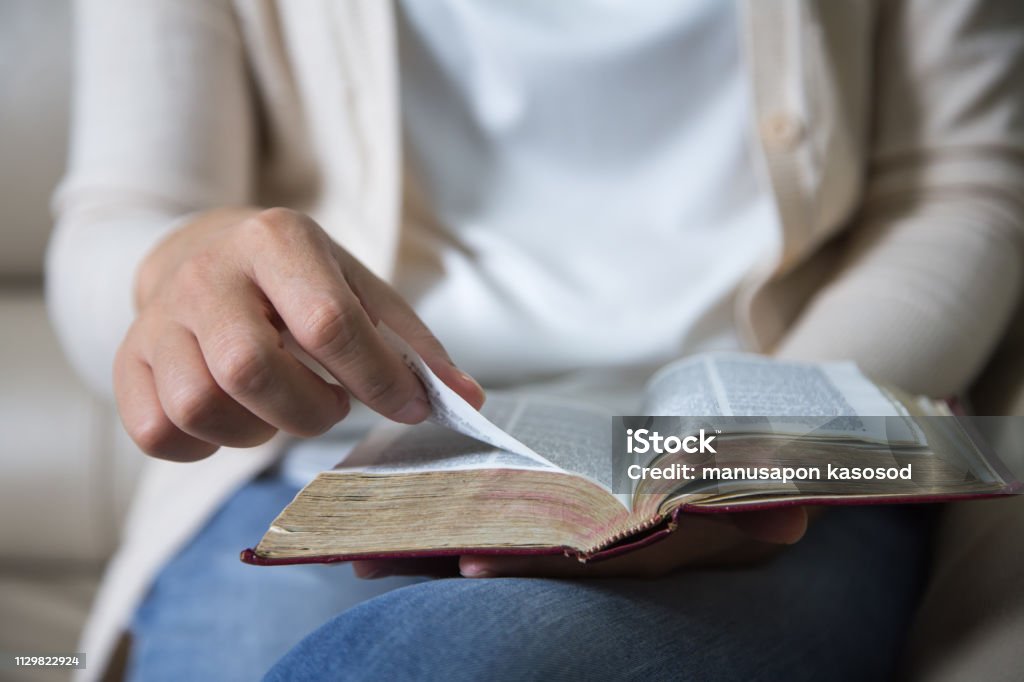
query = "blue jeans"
{"x": 833, "y": 607}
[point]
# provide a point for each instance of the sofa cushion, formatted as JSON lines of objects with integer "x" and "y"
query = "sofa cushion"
{"x": 35, "y": 65}
{"x": 67, "y": 469}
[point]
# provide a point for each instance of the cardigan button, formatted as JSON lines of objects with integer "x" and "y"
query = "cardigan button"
{"x": 782, "y": 131}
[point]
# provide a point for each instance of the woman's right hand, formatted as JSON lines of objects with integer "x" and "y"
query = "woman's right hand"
{"x": 205, "y": 363}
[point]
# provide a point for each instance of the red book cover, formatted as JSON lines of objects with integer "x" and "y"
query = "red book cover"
{"x": 660, "y": 527}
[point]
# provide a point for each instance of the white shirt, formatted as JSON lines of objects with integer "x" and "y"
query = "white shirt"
{"x": 593, "y": 197}
{"x": 590, "y": 172}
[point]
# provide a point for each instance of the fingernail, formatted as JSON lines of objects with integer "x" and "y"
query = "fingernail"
{"x": 414, "y": 411}
{"x": 373, "y": 574}
{"x": 470, "y": 380}
{"x": 470, "y": 570}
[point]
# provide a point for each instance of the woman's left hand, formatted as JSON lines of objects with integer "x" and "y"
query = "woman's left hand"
{"x": 714, "y": 540}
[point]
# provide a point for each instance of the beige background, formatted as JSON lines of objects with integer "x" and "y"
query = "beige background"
{"x": 65, "y": 468}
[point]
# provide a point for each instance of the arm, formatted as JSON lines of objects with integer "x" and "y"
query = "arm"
{"x": 162, "y": 128}
{"x": 934, "y": 265}
{"x": 154, "y": 213}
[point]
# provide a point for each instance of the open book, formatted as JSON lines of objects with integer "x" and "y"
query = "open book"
{"x": 540, "y": 475}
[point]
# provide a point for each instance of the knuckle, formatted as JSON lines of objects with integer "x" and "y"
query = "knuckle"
{"x": 332, "y": 327}
{"x": 332, "y": 331}
{"x": 154, "y": 434}
{"x": 279, "y": 216}
{"x": 260, "y": 228}
{"x": 243, "y": 368}
{"x": 278, "y": 226}
{"x": 193, "y": 406}
{"x": 384, "y": 390}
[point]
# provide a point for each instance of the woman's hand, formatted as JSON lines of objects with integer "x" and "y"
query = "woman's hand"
{"x": 713, "y": 540}
{"x": 205, "y": 363}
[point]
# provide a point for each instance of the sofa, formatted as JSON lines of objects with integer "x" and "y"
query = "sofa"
{"x": 67, "y": 469}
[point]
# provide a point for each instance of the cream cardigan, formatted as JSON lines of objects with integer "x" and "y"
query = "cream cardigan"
{"x": 892, "y": 134}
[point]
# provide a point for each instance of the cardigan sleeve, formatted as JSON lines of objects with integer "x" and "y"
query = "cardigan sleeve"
{"x": 162, "y": 126}
{"x": 932, "y": 269}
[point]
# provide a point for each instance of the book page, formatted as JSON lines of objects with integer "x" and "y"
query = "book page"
{"x": 827, "y": 399}
{"x": 449, "y": 410}
{"x": 507, "y": 433}
{"x": 575, "y": 439}
{"x": 398, "y": 448}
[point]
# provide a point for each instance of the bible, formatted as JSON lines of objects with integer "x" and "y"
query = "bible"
{"x": 540, "y": 475}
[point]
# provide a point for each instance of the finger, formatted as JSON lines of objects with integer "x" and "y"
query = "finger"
{"x": 648, "y": 562}
{"x": 144, "y": 418}
{"x": 193, "y": 400}
{"x": 439, "y": 567}
{"x": 697, "y": 542}
{"x": 335, "y": 330}
{"x": 304, "y": 283}
{"x": 383, "y": 303}
{"x": 643, "y": 563}
{"x": 485, "y": 566}
{"x": 246, "y": 357}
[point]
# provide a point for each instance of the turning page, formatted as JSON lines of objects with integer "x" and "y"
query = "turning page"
{"x": 447, "y": 407}
{"x": 574, "y": 438}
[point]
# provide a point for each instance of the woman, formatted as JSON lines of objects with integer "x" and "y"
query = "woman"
{"x": 550, "y": 191}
